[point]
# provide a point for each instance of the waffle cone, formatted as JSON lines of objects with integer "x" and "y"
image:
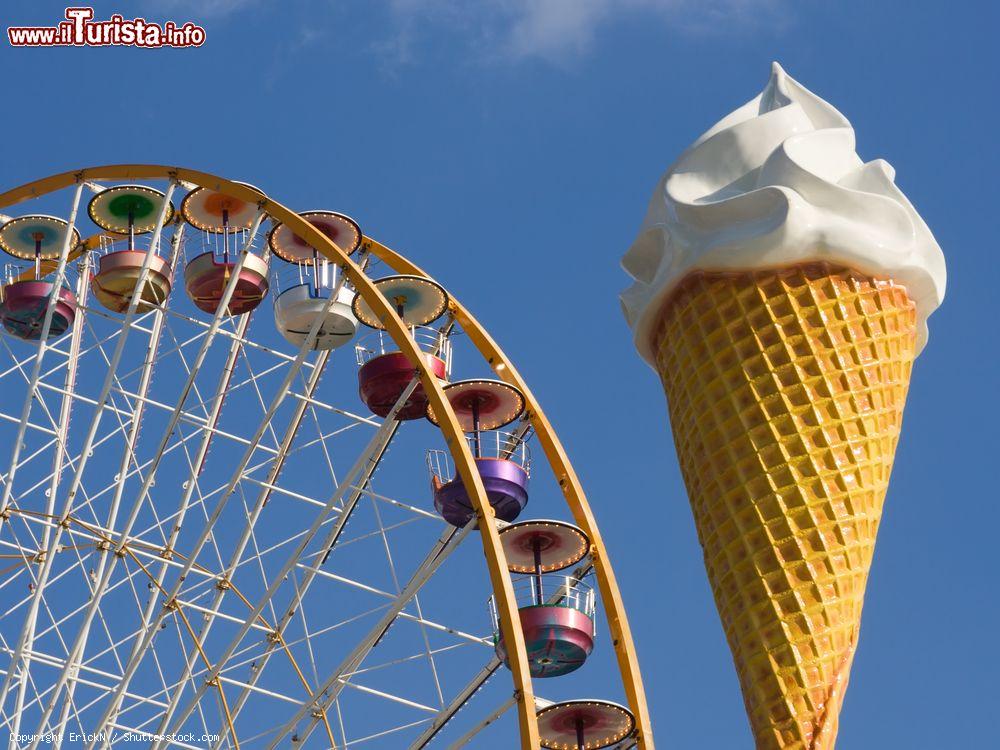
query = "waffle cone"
{"x": 786, "y": 391}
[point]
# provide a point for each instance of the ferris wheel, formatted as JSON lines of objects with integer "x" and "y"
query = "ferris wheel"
{"x": 250, "y": 451}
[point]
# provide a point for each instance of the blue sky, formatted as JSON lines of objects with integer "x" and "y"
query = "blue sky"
{"x": 509, "y": 147}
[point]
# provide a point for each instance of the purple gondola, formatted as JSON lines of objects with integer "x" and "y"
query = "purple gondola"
{"x": 482, "y": 408}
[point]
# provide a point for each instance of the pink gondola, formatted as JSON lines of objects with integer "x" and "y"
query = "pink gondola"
{"x": 24, "y": 302}
{"x": 130, "y": 210}
{"x": 386, "y": 372}
{"x": 206, "y": 275}
{"x": 556, "y": 611}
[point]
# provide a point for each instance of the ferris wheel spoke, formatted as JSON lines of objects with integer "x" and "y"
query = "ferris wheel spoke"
{"x": 321, "y": 439}
{"x": 384, "y": 733}
{"x": 26, "y": 377}
{"x": 192, "y": 484}
{"x": 69, "y": 698}
{"x": 128, "y": 457}
{"x": 113, "y": 645}
{"x": 36, "y": 370}
{"x": 137, "y": 471}
{"x": 81, "y": 562}
{"x": 391, "y": 697}
{"x": 415, "y": 510}
{"x": 371, "y": 668}
{"x": 261, "y": 662}
{"x": 376, "y": 451}
{"x": 416, "y": 600}
{"x": 493, "y": 717}
{"x": 138, "y": 326}
{"x": 33, "y": 551}
{"x": 265, "y": 423}
{"x": 193, "y": 400}
{"x": 25, "y": 683}
{"x": 327, "y": 692}
{"x": 28, "y": 653}
{"x": 257, "y": 557}
{"x": 343, "y": 412}
{"x": 250, "y": 655}
{"x": 221, "y": 333}
{"x": 492, "y": 666}
{"x": 128, "y": 579}
{"x": 276, "y": 468}
{"x": 364, "y": 466}
{"x": 342, "y": 499}
{"x": 108, "y": 565}
{"x": 27, "y": 630}
{"x": 28, "y": 426}
{"x": 57, "y": 431}
{"x": 307, "y": 638}
{"x": 254, "y": 380}
{"x": 20, "y": 365}
{"x": 66, "y": 617}
{"x": 117, "y": 411}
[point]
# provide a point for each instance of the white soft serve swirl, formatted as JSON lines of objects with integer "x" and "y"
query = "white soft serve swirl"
{"x": 776, "y": 183}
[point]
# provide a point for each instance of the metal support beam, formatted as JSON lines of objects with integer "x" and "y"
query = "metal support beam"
{"x": 576, "y": 500}
{"x": 450, "y": 427}
{"x": 127, "y": 457}
{"x": 447, "y": 713}
{"x": 58, "y": 461}
{"x": 324, "y": 695}
{"x": 104, "y": 577}
{"x": 283, "y": 390}
{"x": 369, "y": 457}
{"x": 18, "y": 666}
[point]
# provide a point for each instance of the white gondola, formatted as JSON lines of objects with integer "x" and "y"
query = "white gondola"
{"x": 296, "y": 308}
{"x": 309, "y": 280}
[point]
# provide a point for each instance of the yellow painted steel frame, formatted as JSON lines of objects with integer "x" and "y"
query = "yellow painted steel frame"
{"x": 621, "y": 634}
{"x": 449, "y": 425}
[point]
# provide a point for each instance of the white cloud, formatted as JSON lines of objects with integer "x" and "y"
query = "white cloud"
{"x": 561, "y": 31}
{"x": 555, "y": 28}
{"x": 557, "y": 31}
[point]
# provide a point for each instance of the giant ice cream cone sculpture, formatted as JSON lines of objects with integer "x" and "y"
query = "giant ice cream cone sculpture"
{"x": 782, "y": 292}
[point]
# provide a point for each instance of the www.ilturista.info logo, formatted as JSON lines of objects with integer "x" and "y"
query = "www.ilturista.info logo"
{"x": 81, "y": 30}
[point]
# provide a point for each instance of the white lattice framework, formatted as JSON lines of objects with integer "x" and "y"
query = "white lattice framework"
{"x": 205, "y": 536}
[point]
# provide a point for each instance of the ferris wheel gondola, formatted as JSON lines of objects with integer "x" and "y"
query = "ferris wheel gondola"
{"x": 207, "y": 274}
{"x": 485, "y": 406}
{"x": 131, "y": 210}
{"x": 558, "y": 626}
{"x": 385, "y": 371}
{"x": 24, "y": 302}
{"x": 185, "y": 503}
{"x": 314, "y": 291}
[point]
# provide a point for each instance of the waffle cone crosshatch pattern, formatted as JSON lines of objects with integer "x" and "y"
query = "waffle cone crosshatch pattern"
{"x": 781, "y": 292}
{"x": 786, "y": 393}
{"x": 522, "y": 374}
